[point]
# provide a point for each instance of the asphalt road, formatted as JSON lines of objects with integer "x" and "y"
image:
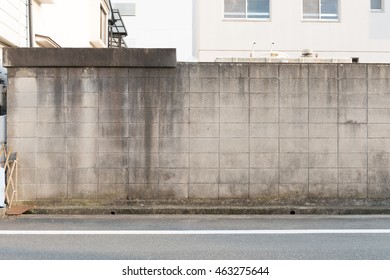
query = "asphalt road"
{"x": 195, "y": 237}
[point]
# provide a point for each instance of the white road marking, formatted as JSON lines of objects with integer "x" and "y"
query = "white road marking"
{"x": 194, "y": 232}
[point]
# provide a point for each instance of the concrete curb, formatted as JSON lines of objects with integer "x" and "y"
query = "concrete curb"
{"x": 2, "y": 213}
{"x": 214, "y": 210}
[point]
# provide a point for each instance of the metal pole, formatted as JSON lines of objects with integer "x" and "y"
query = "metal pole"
{"x": 30, "y": 23}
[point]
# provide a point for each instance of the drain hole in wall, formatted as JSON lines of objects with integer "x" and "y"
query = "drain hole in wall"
{"x": 292, "y": 212}
{"x": 113, "y": 212}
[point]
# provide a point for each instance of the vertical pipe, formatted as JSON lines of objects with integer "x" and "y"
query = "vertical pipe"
{"x": 110, "y": 38}
{"x": 195, "y": 35}
{"x": 30, "y": 23}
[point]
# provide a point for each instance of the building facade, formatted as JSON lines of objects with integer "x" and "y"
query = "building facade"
{"x": 54, "y": 23}
{"x": 13, "y": 29}
{"x": 158, "y": 24}
{"x": 71, "y": 23}
{"x": 331, "y": 28}
{"x": 13, "y": 23}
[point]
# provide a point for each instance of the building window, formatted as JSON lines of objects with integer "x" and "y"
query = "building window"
{"x": 103, "y": 24}
{"x": 321, "y": 9}
{"x": 376, "y": 5}
{"x": 247, "y": 9}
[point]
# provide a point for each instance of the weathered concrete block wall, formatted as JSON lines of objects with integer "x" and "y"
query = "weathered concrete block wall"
{"x": 202, "y": 130}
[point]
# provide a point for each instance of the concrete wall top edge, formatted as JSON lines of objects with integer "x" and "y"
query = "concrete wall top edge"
{"x": 88, "y": 57}
{"x": 283, "y": 64}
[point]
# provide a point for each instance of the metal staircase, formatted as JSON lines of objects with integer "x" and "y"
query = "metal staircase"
{"x": 116, "y": 30}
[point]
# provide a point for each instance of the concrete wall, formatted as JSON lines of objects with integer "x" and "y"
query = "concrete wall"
{"x": 202, "y": 130}
{"x": 358, "y": 33}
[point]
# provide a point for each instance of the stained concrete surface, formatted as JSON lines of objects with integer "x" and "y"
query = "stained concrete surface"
{"x": 201, "y": 131}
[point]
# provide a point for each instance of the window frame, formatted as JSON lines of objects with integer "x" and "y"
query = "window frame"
{"x": 103, "y": 16}
{"x": 246, "y": 18}
{"x": 381, "y": 10}
{"x": 320, "y": 19}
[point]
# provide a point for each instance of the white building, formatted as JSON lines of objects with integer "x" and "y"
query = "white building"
{"x": 331, "y": 28}
{"x": 158, "y": 24}
{"x": 13, "y": 23}
{"x": 13, "y": 28}
{"x": 71, "y": 23}
{"x": 54, "y": 23}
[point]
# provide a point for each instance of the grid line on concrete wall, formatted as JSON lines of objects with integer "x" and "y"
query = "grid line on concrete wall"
{"x": 338, "y": 133}
{"x": 367, "y": 171}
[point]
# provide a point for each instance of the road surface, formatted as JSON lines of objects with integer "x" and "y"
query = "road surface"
{"x": 195, "y": 237}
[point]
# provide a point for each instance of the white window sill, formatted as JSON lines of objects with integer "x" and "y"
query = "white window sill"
{"x": 246, "y": 19}
{"x": 45, "y": 1}
{"x": 98, "y": 44}
{"x": 377, "y": 11}
{"x": 322, "y": 20}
